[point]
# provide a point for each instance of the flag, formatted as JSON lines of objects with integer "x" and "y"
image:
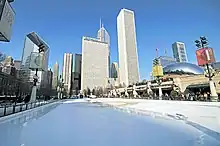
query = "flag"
{"x": 157, "y": 52}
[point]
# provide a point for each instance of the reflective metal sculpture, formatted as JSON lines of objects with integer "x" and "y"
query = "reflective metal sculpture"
{"x": 183, "y": 68}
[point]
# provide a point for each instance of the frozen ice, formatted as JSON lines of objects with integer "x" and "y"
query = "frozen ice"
{"x": 86, "y": 124}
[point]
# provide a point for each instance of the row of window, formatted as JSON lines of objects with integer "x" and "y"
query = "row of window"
{"x": 12, "y": 86}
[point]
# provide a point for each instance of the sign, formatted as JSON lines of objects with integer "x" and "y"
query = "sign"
{"x": 7, "y": 17}
{"x": 157, "y": 71}
{"x": 205, "y": 56}
{"x": 37, "y": 61}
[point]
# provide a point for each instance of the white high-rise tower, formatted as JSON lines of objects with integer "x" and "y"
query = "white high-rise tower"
{"x": 67, "y": 71}
{"x": 127, "y": 48}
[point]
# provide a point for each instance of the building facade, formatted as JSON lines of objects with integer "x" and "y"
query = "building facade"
{"x": 31, "y": 45}
{"x": 179, "y": 52}
{"x": 104, "y": 36}
{"x": 67, "y": 71}
{"x": 127, "y": 48}
{"x": 55, "y": 76}
{"x": 17, "y": 64}
{"x": 95, "y": 63}
{"x": 166, "y": 60}
{"x": 216, "y": 65}
{"x": 114, "y": 70}
{"x": 76, "y": 73}
{"x": 49, "y": 78}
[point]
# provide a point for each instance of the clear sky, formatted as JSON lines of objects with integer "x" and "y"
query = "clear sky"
{"x": 159, "y": 23}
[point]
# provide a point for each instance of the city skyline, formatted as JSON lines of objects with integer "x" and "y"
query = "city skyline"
{"x": 152, "y": 32}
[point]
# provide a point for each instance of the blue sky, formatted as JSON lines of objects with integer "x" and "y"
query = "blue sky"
{"x": 159, "y": 23}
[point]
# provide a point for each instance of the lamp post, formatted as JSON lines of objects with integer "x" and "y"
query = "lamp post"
{"x": 203, "y": 43}
{"x": 158, "y": 73}
{"x": 159, "y": 82}
{"x": 35, "y": 78}
{"x": 60, "y": 88}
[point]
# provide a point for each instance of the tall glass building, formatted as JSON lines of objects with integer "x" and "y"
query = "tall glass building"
{"x": 166, "y": 60}
{"x": 179, "y": 52}
{"x": 31, "y": 44}
{"x": 55, "y": 76}
{"x": 114, "y": 70}
{"x": 76, "y": 72}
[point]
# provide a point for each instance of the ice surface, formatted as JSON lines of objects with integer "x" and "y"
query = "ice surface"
{"x": 206, "y": 114}
{"x": 86, "y": 124}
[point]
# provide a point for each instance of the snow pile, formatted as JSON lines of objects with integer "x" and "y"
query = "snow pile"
{"x": 205, "y": 114}
{"x": 75, "y": 101}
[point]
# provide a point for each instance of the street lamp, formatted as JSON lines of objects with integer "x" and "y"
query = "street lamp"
{"x": 60, "y": 88}
{"x": 38, "y": 61}
{"x": 203, "y": 43}
{"x": 158, "y": 73}
{"x": 159, "y": 82}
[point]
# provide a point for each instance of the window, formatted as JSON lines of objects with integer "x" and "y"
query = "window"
{"x": 182, "y": 49}
{"x": 183, "y": 56}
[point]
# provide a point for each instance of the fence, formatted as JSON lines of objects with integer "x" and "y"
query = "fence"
{"x": 6, "y": 109}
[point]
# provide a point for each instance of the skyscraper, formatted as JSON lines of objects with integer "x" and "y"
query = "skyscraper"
{"x": 95, "y": 63}
{"x": 55, "y": 76}
{"x": 114, "y": 70}
{"x": 127, "y": 48}
{"x": 31, "y": 45}
{"x": 179, "y": 52}
{"x": 17, "y": 64}
{"x": 103, "y": 35}
{"x": 76, "y": 72}
{"x": 67, "y": 71}
{"x": 166, "y": 60}
{"x": 49, "y": 78}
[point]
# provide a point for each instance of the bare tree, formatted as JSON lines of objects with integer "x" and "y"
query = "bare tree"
{"x": 93, "y": 91}
{"x": 88, "y": 92}
{"x": 85, "y": 92}
{"x": 120, "y": 86}
{"x": 101, "y": 91}
{"x": 105, "y": 91}
{"x": 123, "y": 85}
{"x": 111, "y": 87}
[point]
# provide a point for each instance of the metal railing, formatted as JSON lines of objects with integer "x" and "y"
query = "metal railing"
{"x": 6, "y": 109}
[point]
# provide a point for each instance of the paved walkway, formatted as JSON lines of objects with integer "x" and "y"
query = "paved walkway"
{"x": 85, "y": 124}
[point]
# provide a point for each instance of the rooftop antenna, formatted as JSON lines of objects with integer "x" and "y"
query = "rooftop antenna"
{"x": 100, "y": 23}
{"x": 157, "y": 52}
{"x": 165, "y": 52}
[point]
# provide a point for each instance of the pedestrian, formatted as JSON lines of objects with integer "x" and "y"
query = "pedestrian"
{"x": 208, "y": 96}
{"x": 205, "y": 96}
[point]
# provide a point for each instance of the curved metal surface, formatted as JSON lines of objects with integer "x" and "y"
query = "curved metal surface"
{"x": 185, "y": 68}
